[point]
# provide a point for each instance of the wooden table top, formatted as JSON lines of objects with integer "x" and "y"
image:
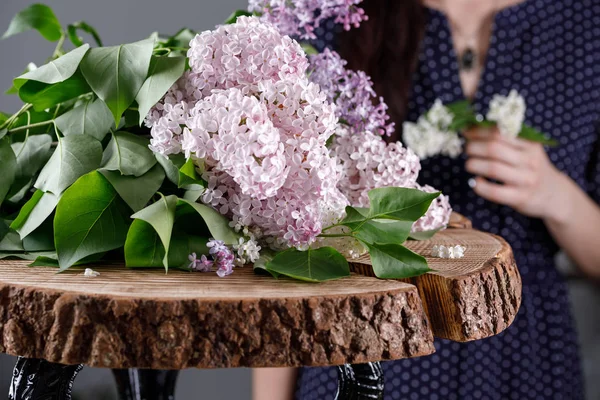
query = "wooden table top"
{"x": 148, "y": 319}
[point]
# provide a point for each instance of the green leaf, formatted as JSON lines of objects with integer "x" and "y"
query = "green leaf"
{"x": 92, "y": 118}
{"x": 129, "y": 154}
{"x": 143, "y": 247}
{"x": 161, "y": 216}
{"x": 34, "y": 212}
{"x": 11, "y": 242}
{"x": 44, "y": 96}
{"x": 164, "y": 72}
{"x": 39, "y": 17}
{"x": 31, "y": 155}
{"x": 9, "y": 168}
{"x": 234, "y": 16}
{"x": 136, "y": 191}
{"x": 309, "y": 49}
{"x": 13, "y": 90}
{"x": 75, "y": 156}
{"x": 533, "y": 135}
{"x": 399, "y": 203}
{"x": 116, "y": 74}
{"x": 375, "y": 231}
{"x": 55, "y": 71}
{"x": 188, "y": 176}
{"x": 42, "y": 239}
{"x": 90, "y": 218}
{"x": 181, "y": 39}
{"x": 171, "y": 166}
{"x": 82, "y": 26}
{"x": 45, "y": 261}
{"x": 26, "y": 255}
{"x": 217, "y": 224}
{"x": 393, "y": 261}
{"x": 51, "y": 260}
{"x": 4, "y": 229}
{"x": 424, "y": 235}
{"x": 319, "y": 265}
{"x": 260, "y": 266}
{"x": 3, "y": 117}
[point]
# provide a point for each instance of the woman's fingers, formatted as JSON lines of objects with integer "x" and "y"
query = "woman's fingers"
{"x": 495, "y": 150}
{"x": 498, "y": 170}
{"x": 501, "y": 194}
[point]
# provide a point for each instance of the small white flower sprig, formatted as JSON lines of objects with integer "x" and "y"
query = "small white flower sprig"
{"x": 441, "y": 251}
{"x": 437, "y": 132}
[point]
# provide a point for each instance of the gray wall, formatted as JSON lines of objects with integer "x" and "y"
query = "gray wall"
{"x": 118, "y": 21}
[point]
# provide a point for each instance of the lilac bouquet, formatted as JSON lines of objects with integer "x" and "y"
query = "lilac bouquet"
{"x": 250, "y": 152}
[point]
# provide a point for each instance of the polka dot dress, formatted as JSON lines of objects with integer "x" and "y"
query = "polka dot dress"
{"x": 550, "y": 52}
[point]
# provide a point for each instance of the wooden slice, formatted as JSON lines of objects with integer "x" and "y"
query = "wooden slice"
{"x": 149, "y": 319}
{"x": 469, "y": 298}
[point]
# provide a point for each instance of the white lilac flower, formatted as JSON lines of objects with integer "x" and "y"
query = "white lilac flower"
{"x": 247, "y": 251}
{"x": 440, "y": 116}
{"x": 90, "y": 272}
{"x": 508, "y": 112}
{"x": 442, "y": 251}
{"x": 428, "y": 140}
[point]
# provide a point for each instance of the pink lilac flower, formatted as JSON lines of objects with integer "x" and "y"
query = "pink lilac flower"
{"x": 247, "y": 113}
{"x": 241, "y": 55}
{"x": 302, "y": 17}
{"x": 437, "y": 215}
{"x": 369, "y": 163}
{"x": 352, "y": 92}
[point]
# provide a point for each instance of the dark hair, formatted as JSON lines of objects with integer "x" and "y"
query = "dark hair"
{"x": 387, "y": 47}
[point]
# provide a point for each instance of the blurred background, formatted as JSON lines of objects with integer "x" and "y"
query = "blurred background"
{"x": 120, "y": 21}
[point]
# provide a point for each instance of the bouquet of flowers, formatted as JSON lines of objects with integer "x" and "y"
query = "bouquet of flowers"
{"x": 209, "y": 151}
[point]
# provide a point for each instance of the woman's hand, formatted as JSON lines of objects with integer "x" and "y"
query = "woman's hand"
{"x": 532, "y": 185}
{"x": 529, "y": 181}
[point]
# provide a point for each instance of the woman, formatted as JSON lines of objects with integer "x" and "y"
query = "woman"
{"x": 537, "y": 199}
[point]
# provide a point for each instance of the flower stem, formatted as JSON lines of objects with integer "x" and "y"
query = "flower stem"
{"x": 58, "y": 51}
{"x": 335, "y": 236}
{"x": 36, "y": 125}
{"x": 16, "y": 115}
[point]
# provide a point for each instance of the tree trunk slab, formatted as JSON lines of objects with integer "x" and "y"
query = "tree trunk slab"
{"x": 144, "y": 318}
{"x": 147, "y": 319}
{"x": 470, "y": 298}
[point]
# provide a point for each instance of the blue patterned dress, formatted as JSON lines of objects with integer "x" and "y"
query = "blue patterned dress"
{"x": 549, "y": 50}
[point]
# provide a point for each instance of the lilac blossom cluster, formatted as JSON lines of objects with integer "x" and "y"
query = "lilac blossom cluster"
{"x": 248, "y": 114}
{"x": 301, "y": 17}
{"x": 368, "y": 162}
{"x": 352, "y": 92}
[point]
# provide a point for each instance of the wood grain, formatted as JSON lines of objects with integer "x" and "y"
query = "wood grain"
{"x": 469, "y": 298}
{"x": 147, "y": 319}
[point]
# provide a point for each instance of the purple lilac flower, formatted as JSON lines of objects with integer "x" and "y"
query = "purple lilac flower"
{"x": 200, "y": 265}
{"x": 352, "y": 92}
{"x": 223, "y": 256}
{"x": 302, "y": 17}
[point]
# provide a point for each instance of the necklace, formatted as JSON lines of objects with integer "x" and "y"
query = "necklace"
{"x": 469, "y": 57}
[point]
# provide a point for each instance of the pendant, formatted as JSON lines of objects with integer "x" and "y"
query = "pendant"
{"x": 467, "y": 59}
